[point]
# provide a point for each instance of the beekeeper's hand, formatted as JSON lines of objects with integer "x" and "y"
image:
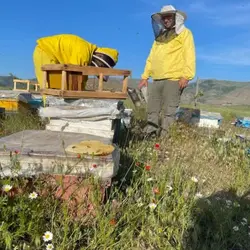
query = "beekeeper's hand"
{"x": 183, "y": 83}
{"x": 143, "y": 83}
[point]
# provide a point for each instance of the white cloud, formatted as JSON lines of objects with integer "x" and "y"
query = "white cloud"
{"x": 229, "y": 56}
{"x": 236, "y": 14}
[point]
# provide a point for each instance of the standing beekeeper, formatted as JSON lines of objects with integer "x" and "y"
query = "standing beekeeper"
{"x": 71, "y": 49}
{"x": 171, "y": 64}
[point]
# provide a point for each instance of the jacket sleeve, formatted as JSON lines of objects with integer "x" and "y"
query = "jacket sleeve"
{"x": 189, "y": 57}
{"x": 147, "y": 70}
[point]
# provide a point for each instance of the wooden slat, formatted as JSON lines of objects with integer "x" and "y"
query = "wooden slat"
{"x": 85, "y": 94}
{"x": 79, "y": 81}
{"x": 86, "y": 70}
{"x": 45, "y": 76}
{"x": 70, "y": 82}
{"x": 64, "y": 80}
{"x": 100, "y": 83}
{"x": 125, "y": 85}
{"x": 21, "y": 81}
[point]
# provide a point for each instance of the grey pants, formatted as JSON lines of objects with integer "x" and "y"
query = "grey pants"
{"x": 163, "y": 100}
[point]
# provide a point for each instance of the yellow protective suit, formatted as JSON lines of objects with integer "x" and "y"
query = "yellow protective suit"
{"x": 65, "y": 49}
{"x": 173, "y": 59}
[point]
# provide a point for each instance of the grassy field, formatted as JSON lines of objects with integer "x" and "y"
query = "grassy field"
{"x": 187, "y": 191}
{"x": 228, "y": 112}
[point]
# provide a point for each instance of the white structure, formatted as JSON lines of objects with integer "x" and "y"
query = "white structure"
{"x": 210, "y": 119}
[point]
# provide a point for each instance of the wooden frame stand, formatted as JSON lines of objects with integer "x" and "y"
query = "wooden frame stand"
{"x": 28, "y": 83}
{"x": 72, "y": 77}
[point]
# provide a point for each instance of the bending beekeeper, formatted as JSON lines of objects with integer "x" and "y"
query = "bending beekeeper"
{"x": 171, "y": 64}
{"x": 71, "y": 49}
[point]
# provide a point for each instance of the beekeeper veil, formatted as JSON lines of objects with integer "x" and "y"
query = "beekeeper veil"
{"x": 160, "y": 29}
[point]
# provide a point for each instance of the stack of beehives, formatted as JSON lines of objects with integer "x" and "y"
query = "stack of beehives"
{"x": 88, "y": 116}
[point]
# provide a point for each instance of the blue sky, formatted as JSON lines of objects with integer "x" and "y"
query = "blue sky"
{"x": 221, "y": 31}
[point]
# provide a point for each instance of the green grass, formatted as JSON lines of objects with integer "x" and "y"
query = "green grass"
{"x": 188, "y": 191}
{"x": 228, "y": 112}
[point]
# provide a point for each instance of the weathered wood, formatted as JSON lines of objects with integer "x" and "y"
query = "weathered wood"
{"x": 86, "y": 70}
{"x": 64, "y": 80}
{"x": 125, "y": 84}
{"x": 72, "y": 78}
{"x": 27, "y": 82}
{"x": 85, "y": 94}
{"x": 79, "y": 78}
{"x": 100, "y": 84}
{"x": 45, "y": 79}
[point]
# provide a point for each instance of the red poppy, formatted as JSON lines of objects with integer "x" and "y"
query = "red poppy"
{"x": 156, "y": 190}
{"x": 94, "y": 166}
{"x": 78, "y": 156}
{"x": 112, "y": 222}
{"x": 147, "y": 168}
{"x": 157, "y": 146}
{"x": 17, "y": 152}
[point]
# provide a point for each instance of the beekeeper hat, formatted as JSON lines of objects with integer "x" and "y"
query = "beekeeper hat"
{"x": 107, "y": 56}
{"x": 168, "y": 9}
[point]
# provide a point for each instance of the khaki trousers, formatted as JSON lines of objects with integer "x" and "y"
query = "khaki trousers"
{"x": 163, "y": 100}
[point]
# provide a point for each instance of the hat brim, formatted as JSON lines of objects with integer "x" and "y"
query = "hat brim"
{"x": 172, "y": 12}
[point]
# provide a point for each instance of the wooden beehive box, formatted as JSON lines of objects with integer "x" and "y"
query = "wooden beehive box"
{"x": 66, "y": 80}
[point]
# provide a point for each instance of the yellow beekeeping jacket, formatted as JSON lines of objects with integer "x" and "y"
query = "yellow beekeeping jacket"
{"x": 61, "y": 49}
{"x": 172, "y": 59}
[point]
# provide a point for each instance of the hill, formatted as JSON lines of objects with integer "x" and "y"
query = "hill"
{"x": 217, "y": 92}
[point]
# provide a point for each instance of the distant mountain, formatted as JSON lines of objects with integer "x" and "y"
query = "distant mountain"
{"x": 220, "y": 92}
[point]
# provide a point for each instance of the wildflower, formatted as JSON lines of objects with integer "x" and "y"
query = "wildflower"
{"x": 33, "y": 195}
{"x": 78, "y": 156}
{"x": 134, "y": 171}
{"x": 152, "y": 206}
{"x": 7, "y": 188}
{"x": 244, "y": 222}
{"x": 229, "y": 203}
{"x": 93, "y": 167}
{"x": 16, "y": 152}
{"x": 49, "y": 247}
{"x": 150, "y": 179}
{"x": 198, "y": 195}
{"x": 139, "y": 204}
{"x": 156, "y": 190}
{"x": 48, "y": 236}
{"x": 236, "y": 228}
{"x": 137, "y": 164}
{"x": 157, "y": 146}
{"x": 147, "y": 168}
{"x": 112, "y": 222}
{"x": 194, "y": 179}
